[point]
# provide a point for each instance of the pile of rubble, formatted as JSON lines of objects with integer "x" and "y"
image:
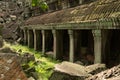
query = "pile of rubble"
{"x": 71, "y": 71}
{"x": 12, "y": 62}
{"x": 110, "y": 74}
{"x": 12, "y": 14}
{"x": 10, "y": 68}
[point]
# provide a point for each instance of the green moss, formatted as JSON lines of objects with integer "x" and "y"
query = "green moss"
{"x": 43, "y": 65}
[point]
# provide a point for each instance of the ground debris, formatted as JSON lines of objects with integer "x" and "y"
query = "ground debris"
{"x": 110, "y": 74}
{"x": 10, "y": 68}
{"x": 72, "y": 71}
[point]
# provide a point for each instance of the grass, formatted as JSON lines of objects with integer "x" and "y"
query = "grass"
{"x": 45, "y": 66}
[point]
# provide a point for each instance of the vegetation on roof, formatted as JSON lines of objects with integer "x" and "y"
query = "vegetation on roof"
{"x": 93, "y": 11}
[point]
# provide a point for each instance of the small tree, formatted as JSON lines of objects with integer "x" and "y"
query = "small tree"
{"x": 35, "y": 3}
{"x": 39, "y": 3}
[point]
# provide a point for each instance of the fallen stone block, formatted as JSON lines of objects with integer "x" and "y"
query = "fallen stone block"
{"x": 72, "y": 71}
{"x": 69, "y": 71}
{"x": 50, "y": 54}
{"x": 95, "y": 68}
{"x": 10, "y": 68}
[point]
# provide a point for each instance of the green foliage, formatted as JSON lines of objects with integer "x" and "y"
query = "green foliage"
{"x": 39, "y": 3}
{"x": 43, "y": 66}
{"x": 43, "y": 6}
{"x": 35, "y": 2}
{"x": 31, "y": 63}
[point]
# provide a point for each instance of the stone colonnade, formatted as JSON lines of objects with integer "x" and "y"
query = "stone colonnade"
{"x": 37, "y": 39}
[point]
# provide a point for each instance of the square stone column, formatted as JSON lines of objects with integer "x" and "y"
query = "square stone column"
{"x": 30, "y": 39}
{"x": 57, "y": 44}
{"x": 25, "y": 36}
{"x": 71, "y": 47}
{"x": 97, "y": 46}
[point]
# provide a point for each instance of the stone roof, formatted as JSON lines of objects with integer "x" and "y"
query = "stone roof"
{"x": 100, "y": 9}
{"x": 10, "y": 68}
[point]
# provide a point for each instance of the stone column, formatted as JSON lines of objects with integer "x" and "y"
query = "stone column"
{"x": 71, "y": 47}
{"x": 30, "y": 38}
{"x": 81, "y": 1}
{"x": 68, "y": 4}
{"x": 43, "y": 41}
{"x": 97, "y": 46}
{"x": 65, "y": 4}
{"x": 35, "y": 39}
{"x": 25, "y": 36}
{"x": 57, "y": 44}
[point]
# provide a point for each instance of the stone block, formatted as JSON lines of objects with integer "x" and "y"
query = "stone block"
{"x": 69, "y": 71}
{"x": 72, "y": 71}
{"x": 10, "y": 68}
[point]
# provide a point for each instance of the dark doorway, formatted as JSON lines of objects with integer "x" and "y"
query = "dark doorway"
{"x": 65, "y": 44}
{"x": 113, "y": 48}
{"x": 38, "y": 40}
{"x": 31, "y": 39}
{"x": 73, "y": 3}
{"x": 49, "y": 41}
{"x": 84, "y": 43}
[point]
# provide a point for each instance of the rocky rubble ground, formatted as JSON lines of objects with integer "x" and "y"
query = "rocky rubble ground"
{"x": 22, "y": 72}
{"x": 12, "y": 15}
{"x": 71, "y": 71}
{"x": 110, "y": 74}
{"x": 10, "y": 68}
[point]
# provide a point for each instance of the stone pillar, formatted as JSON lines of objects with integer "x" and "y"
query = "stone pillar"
{"x": 65, "y": 4}
{"x": 30, "y": 38}
{"x": 25, "y": 36}
{"x": 71, "y": 47}
{"x": 81, "y": 1}
{"x": 57, "y": 44}
{"x": 97, "y": 46}
{"x": 68, "y": 4}
{"x": 35, "y": 39}
{"x": 43, "y": 41}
